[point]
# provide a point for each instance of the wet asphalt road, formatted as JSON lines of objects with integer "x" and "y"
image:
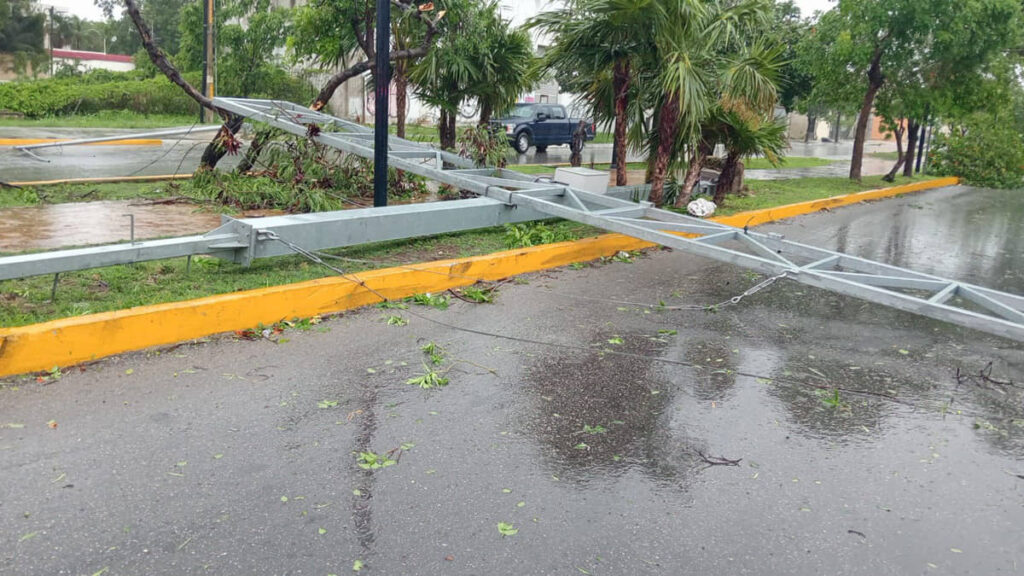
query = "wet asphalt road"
{"x": 231, "y": 457}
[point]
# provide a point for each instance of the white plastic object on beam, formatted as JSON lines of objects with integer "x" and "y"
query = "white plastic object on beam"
{"x": 593, "y": 181}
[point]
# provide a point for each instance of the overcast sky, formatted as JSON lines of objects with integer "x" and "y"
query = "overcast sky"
{"x": 808, "y": 7}
{"x": 82, "y": 8}
{"x": 87, "y": 8}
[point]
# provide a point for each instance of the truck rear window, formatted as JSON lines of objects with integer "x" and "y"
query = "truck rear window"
{"x": 522, "y": 111}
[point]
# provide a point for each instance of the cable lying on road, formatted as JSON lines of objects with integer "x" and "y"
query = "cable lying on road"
{"x": 315, "y": 257}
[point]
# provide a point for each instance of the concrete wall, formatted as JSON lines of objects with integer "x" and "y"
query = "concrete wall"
{"x": 87, "y": 65}
{"x": 798, "y": 128}
{"x": 7, "y": 72}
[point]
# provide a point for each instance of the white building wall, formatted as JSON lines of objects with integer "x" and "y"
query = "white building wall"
{"x": 87, "y": 65}
{"x": 518, "y": 13}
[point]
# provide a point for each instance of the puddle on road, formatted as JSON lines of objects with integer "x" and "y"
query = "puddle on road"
{"x": 604, "y": 414}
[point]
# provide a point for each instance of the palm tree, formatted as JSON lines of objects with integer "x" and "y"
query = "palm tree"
{"x": 705, "y": 64}
{"x": 746, "y": 134}
{"x": 467, "y": 64}
{"x": 508, "y": 67}
{"x": 596, "y": 45}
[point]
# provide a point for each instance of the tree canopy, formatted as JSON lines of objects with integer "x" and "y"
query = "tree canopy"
{"x": 919, "y": 52}
{"x": 21, "y": 33}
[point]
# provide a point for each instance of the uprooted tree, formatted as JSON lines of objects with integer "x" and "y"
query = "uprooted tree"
{"x": 354, "y": 33}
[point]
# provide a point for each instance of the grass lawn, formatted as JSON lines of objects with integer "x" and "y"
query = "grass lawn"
{"x": 885, "y": 155}
{"x": 770, "y": 193}
{"x": 27, "y": 301}
{"x": 417, "y": 132}
{"x": 105, "y": 119}
{"x": 62, "y": 193}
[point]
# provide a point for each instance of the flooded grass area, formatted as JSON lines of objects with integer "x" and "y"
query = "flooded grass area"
{"x": 52, "y": 226}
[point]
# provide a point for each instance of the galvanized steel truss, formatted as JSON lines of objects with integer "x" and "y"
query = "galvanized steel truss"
{"x": 508, "y": 196}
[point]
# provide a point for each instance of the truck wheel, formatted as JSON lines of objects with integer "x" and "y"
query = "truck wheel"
{"x": 522, "y": 143}
{"x": 542, "y": 149}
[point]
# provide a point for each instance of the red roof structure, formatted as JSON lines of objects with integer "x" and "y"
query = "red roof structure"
{"x": 85, "y": 55}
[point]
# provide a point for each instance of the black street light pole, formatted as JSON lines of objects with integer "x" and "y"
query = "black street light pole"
{"x": 382, "y": 87}
{"x": 206, "y": 55}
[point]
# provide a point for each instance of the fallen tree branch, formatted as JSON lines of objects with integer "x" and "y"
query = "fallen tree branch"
{"x": 159, "y": 59}
{"x": 223, "y": 141}
{"x": 983, "y": 377}
{"x": 366, "y": 43}
{"x": 718, "y": 460}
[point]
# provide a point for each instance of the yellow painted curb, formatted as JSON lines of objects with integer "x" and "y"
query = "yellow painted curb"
{"x": 755, "y": 217}
{"x": 112, "y": 180}
{"x": 73, "y": 340}
{"x": 125, "y": 142}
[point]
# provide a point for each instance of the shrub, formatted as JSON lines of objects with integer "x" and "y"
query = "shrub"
{"x": 484, "y": 145}
{"x": 296, "y": 175}
{"x": 134, "y": 91}
{"x": 984, "y": 151}
{"x": 534, "y": 234}
{"x": 94, "y": 92}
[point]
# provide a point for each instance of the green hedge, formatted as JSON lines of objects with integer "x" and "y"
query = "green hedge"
{"x": 103, "y": 90}
{"x": 984, "y": 151}
{"x": 91, "y": 93}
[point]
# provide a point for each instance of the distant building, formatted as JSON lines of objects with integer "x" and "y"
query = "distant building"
{"x": 518, "y": 13}
{"x": 86, "y": 61}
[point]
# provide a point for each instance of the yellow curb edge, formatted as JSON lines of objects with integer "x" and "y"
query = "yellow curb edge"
{"x": 122, "y": 142}
{"x": 69, "y": 341}
{"x": 103, "y": 180}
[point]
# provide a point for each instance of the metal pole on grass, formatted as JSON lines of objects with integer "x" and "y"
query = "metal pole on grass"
{"x": 382, "y": 83}
{"x": 206, "y": 54}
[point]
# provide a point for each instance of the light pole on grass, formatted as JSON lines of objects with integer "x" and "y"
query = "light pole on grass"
{"x": 382, "y": 93}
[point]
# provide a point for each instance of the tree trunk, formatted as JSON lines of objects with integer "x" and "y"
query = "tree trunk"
{"x": 875, "y": 82}
{"x": 898, "y": 132}
{"x": 913, "y": 129}
{"x": 696, "y": 164}
{"x": 217, "y": 147}
{"x": 922, "y": 137}
{"x": 446, "y": 130}
{"x": 652, "y": 157}
{"x": 812, "y": 125}
{"x": 252, "y": 155}
{"x": 486, "y": 111}
{"x": 401, "y": 77}
{"x": 215, "y": 150}
{"x": 620, "y": 84}
{"x": 727, "y": 180}
{"x": 668, "y": 129}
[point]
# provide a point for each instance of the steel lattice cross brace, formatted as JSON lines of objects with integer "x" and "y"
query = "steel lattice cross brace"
{"x": 506, "y": 196}
{"x": 993, "y": 311}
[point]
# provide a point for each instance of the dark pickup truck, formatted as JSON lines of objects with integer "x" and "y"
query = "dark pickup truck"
{"x": 539, "y": 125}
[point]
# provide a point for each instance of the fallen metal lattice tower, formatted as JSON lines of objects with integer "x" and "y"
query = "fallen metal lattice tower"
{"x": 506, "y": 196}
